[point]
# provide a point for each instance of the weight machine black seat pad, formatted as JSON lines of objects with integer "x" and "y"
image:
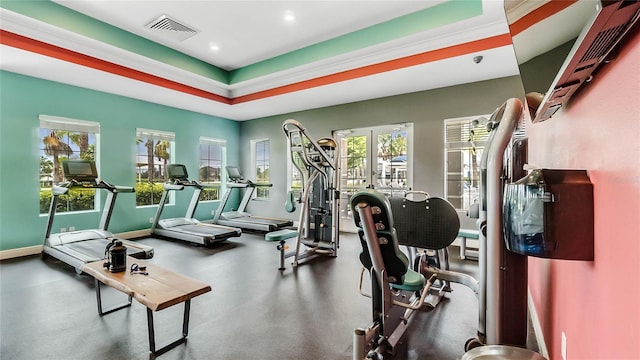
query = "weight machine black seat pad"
{"x": 395, "y": 261}
{"x": 432, "y": 223}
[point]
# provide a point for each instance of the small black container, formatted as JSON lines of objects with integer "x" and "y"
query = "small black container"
{"x": 116, "y": 255}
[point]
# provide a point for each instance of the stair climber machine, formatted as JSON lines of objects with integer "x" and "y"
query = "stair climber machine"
{"x": 241, "y": 218}
{"x": 77, "y": 248}
{"x": 318, "y": 224}
{"x": 187, "y": 228}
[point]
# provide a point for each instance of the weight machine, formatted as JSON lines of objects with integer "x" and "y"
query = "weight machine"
{"x": 398, "y": 291}
{"x": 318, "y": 225}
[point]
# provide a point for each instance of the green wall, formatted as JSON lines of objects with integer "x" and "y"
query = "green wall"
{"x": 426, "y": 109}
{"x": 24, "y": 98}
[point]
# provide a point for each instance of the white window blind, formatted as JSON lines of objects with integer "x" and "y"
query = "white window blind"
{"x": 66, "y": 124}
{"x": 157, "y": 135}
{"x": 465, "y": 133}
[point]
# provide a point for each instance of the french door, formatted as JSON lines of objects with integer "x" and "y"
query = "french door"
{"x": 377, "y": 157}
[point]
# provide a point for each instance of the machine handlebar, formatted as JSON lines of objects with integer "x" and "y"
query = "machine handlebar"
{"x": 95, "y": 184}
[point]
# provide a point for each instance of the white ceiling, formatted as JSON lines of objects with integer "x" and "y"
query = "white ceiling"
{"x": 245, "y": 33}
{"x": 245, "y": 30}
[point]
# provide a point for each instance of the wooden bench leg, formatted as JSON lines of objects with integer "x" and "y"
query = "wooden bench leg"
{"x": 182, "y": 340}
{"x": 99, "y": 299}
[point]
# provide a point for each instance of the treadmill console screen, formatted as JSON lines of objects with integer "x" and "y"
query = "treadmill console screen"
{"x": 177, "y": 172}
{"x": 234, "y": 173}
{"x": 79, "y": 170}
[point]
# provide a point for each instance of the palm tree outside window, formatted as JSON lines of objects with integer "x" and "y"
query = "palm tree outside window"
{"x": 213, "y": 153}
{"x": 65, "y": 139}
{"x": 154, "y": 151}
{"x": 261, "y": 161}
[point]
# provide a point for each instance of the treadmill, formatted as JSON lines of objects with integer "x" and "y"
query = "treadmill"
{"x": 240, "y": 218}
{"x": 77, "y": 248}
{"x": 187, "y": 228}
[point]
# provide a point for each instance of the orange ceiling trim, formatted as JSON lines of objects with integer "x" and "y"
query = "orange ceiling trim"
{"x": 418, "y": 59}
{"x": 539, "y": 14}
{"x": 39, "y": 47}
{"x": 42, "y": 48}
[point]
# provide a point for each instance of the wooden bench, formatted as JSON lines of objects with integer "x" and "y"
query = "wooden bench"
{"x": 158, "y": 290}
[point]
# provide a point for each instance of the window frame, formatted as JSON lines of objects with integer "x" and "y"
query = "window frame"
{"x": 221, "y": 187}
{"x": 54, "y": 124}
{"x": 155, "y": 135}
{"x": 473, "y": 129}
{"x": 261, "y": 193}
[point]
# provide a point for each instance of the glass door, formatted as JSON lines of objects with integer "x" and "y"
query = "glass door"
{"x": 378, "y": 158}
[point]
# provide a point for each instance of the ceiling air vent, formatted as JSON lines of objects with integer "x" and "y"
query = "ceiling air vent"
{"x": 171, "y": 28}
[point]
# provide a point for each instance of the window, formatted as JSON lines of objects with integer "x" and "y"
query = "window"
{"x": 261, "y": 166}
{"x": 62, "y": 139}
{"x": 154, "y": 151}
{"x": 377, "y": 156}
{"x": 212, "y": 160}
{"x": 296, "y": 178}
{"x": 380, "y": 157}
{"x": 465, "y": 139}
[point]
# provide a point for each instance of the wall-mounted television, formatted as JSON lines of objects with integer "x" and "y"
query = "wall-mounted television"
{"x": 560, "y": 53}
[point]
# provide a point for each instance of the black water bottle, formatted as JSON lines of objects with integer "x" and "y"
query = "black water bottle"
{"x": 116, "y": 255}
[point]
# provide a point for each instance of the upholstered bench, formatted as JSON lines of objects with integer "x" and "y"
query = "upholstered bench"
{"x": 465, "y": 234}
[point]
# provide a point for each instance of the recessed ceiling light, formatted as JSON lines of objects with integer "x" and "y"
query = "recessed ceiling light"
{"x": 289, "y": 16}
{"x": 214, "y": 47}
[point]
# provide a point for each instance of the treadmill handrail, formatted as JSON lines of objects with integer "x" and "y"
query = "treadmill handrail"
{"x": 170, "y": 187}
{"x": 123, "y": 189}
{"x": 97, "y": 184}
{"x": 64, "y": 187}
{"x": 194, "y": 183}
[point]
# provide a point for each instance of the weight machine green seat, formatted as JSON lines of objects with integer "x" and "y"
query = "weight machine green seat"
{"x": 412, "y": 281}
{"x": 281, "y": 235}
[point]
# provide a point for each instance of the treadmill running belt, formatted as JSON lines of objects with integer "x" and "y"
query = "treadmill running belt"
{"x": 261, "y": 220}
{"x": 95, "y": 248}
{"x": 204, "y": 230}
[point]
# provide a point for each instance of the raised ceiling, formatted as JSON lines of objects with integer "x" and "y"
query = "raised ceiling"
{"x": 242, "y": 60}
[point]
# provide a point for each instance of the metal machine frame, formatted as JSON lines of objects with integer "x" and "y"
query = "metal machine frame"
{"x": 319, "y": 163}
{"x": 77, "y": 248}
{"x": 240, "y": 218}
{"x": 502, "y": 274}
{"x": 188, "y": 228}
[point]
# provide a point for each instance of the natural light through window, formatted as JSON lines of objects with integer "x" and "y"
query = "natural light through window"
{"x": 63, "y": 139}
{"x": 154, "y": 151}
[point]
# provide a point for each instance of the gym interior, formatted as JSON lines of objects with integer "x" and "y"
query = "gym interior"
{"x": 64, "y": 70}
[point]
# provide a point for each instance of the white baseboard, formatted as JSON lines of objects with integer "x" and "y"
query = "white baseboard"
{"x": 35, "y": 250}
{"x": 537, "y": 328}
{"x": 23, "y": 251}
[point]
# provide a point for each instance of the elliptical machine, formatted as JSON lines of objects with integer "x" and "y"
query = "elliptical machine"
{"x": 318, "y": 162}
